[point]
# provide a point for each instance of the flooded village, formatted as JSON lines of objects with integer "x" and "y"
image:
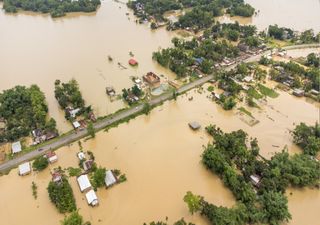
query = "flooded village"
{"x": 97, "y": 72}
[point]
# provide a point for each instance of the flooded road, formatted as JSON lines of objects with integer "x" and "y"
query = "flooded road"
{"x": 38, "y": 49}
{"x": 161, "y": 158}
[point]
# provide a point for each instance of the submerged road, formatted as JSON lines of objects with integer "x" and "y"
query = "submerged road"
{"x": 74, "y": 136}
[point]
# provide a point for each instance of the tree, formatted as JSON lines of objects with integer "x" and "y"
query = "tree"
{"x": 146, "y": 108}
{"x": 193, "y": 202}
{"x": 98, "y": 177}
{"x": 40, "y": 163}
{"x": 91, "y": 130}
{"x": 275, "y": 207}
{"x": 73, "y": 219}
{"x": 61, "y": 195}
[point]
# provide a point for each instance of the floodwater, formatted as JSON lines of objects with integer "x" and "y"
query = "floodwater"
{"x": 162, "y": 163}
{"x": 295, "y": 14}
{"x": 38, "y": 49}
{"x": 159, "y": 153}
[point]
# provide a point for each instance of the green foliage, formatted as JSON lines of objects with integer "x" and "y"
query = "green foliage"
{"x": 34, "y": 190}
{"x": 40, "y": 163}
{"x": 267, "y": 91}
{"x": 74, "y": 172}
{"x": 24, "y": 109}
{"x": 73, "y": 219}
{"x": 210, "y": 88}
{"x": 61, "y": 195}
{"x": 196, "y": 19}
{"x": 98, "y": 177}
{"x": 308, "y": 138}
{"x": 91, "y": 130}
{"x": 55, "y": 7}
{"x": 228, "y": 103}
{"x": 146, "y": 108}
{"x": 122, "y": 178}
{"x": 241, "y": 9}
{"x": 193, "y": 202}
{"x": 68, "y": 94}
{"x": 313, "y": 60}
{"x": 275, "y": 207}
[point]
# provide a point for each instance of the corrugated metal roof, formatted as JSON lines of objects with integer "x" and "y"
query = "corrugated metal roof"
{"x": 110, "y": 179}
{"x": 83, "y": 182}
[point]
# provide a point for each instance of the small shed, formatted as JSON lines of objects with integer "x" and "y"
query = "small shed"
{"x": 110, "y": 178}
{"x": 84, "y": 183}
{"x": 24, "y": 169}
{"x": 92, "y": 198}
{"x": 16, "y": 147}
{"x": 76, "y": 124}
{"x": 255, "y": 179}
{"x": 298, "y": 92}
{"x": 81, "y": 155}
{"x": 87, "y": 165}
{"x": 194, "y": 125}
{"x": 133, "y": 62}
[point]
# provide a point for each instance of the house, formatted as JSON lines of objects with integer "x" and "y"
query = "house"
{"x": 76, "y": 124}
{"x": 81, "y": 156}
{"x": 72, "y": 112}
{"x": 16, "y": 147}
{"x": 152, "y": 79}
{"x": 248, "y": 79}
{"x": 92, "y": 198}
{"x": 87, "y": 165}
{"x": 110, "y": 179}
{"x": 92, "y": 117}
{"x": 56, "y": 177}
{"x": 314, "y": 92}
{"x": 84, "y": 183}
{"x": 24, "y": 169}
{"x": 52, "y": 157}
{"x": 194, "y": 125}
{"x": 298, "y": 92}
{"x": 133, "y": 62}
{"x": 198, "y": 61}
{"x": 110, "y": 91}
{"x": 255, "y": 179}
{"x": 216, "y": 96}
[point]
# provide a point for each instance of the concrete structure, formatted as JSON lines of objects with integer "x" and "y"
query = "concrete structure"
{"x": 110, "y": 179}
{"x": 194, "y": 125}
{"x": 84, "y": 183}
{"x": 298, "y": 92}
{"x": 16, "y": 147}
{"x": 92, "y": 198}
{"x": 24, "y": 169}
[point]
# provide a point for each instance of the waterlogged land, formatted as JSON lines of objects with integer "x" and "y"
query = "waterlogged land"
{"x": 163, "y": 138}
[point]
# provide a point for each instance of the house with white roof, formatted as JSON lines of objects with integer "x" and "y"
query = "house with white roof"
{"x": 84, "y": 183}
{"x": 81, "y": 155}
{"x": 76, "y": 124}
{"x": 24, "y": 169}
{"x": 110, "y": 179}
{"x": 16, "y": 147}
{"x": 92, "y": 198}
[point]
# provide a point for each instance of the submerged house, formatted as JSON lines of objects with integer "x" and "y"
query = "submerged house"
{"x": 92, "y": 198}
{"x": 24, "y": 169}
{"x": 133, "y": 62}
{"x": 52, "y": 157}
{"x": 194, "y": 125}
{"x": 110, "y": 179}
{"x": 152, "y": 79}
{"x": 298, "y": 92}
{"x": 110, "y": 91}
{"x": 81, "y": 155}
{"x": 87, "y": 165}
{"x": 16, "y": 147}
{"x": 84, "y": 183}
{"x": 56, "y": 177}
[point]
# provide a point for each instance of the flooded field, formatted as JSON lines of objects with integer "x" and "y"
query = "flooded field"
{"x": 295, "y": 14}
{"x": 38, "y": 49}
{"x": 161, "y": 158}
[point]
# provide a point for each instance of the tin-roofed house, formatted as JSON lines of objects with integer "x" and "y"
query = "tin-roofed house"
{"x": 24, "y": 169}
{"x": 52, "y": 157}
{"x": 92, "y": 198}
{"x": 16, "y": 147}
{"x": 84, "y": 183}
{"x": 110, "y": 179}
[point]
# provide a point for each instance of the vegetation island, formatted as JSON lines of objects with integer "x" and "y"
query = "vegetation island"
{"x": 258, "y": 184}
{"x": 56, "y": 8}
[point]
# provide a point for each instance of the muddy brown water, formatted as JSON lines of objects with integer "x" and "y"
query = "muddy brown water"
{"x": 159, "y": 153}
{"x": 161, "y": 158}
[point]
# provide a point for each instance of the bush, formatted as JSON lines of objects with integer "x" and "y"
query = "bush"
{"x": 40, "y": 163}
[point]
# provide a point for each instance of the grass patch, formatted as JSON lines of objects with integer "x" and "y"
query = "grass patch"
{"x": 254, "y": 93}
{"x": 267, "y": 91}
{"x": 245, "y": 111}
{"x": 74, "y": 172}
